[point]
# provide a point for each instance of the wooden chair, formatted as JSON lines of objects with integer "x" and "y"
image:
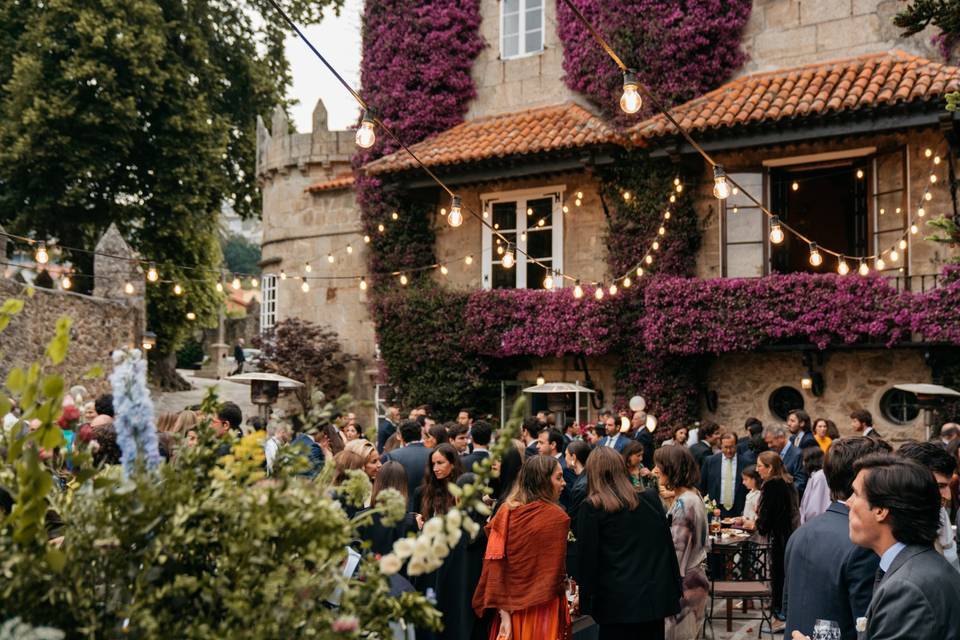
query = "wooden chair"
{"x": 746, "y": 578}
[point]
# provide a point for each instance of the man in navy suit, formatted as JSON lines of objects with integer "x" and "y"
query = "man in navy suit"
{"x": 613, "y": 437}
{"x": 828, "y": 576}
{"x": 721, "y": 476}
{"x": 776, "y": 438}
{"x": 550, "y": 443}
{"x": 638, "y": 428}
{"x": 481, "y": 432}
{"x": 413, "y": 455}
{"x": 387, "y": 426}
{"x": 799, "y": 425}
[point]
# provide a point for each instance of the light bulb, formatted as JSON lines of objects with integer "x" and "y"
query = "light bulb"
{"x": 859, "y": 174}
{"x": 349, "y": 248}
{"x": 598, "y": 292}
{"x": 283, "y": 274}
{"x": 540, "y": 379}
{"x": 366, "y": 239}
{"x": 880, "y": 264}
{"x": 639, "y": 272}
{"x": 655, "y": 245}
{"x": 666, "y": 215}
{"x": 815, "y": 258}
{"x": 648, "y": 259}
{"x": 330, "y": 258}
{"x": 548, "y": 281}
{"x": 455, "y": 217}
{"x": 403, "y": 279}
{"x": 235, "y": 284}
{"x": 842, "y": 267}
{"x": 363, "y": 284}
{"x": 444, "y": 270}
{"x": 927, "y": 152}
{"x": 468, "y": 260}
{"x": 219, "y": 287}
{"x": 566, "y": 209}
{"x": 394, "y": 216}
{"x": 42, "y": 257}
{"x": 630, "y": 101}
{"x": 579, "y": 195}
{"x": 921, "y": 212}
{"x": 662, "y": 230}
{"x": 933, "y": 178}
{"x": 627, "y": 282}
{"x": 177, "y": 290}
{"x": 679, "y": 188}
{"x": 191, "y": 315}
{"x": 65, "y": 282}
{"x": 128, "y": 288}
{"x": 651, "y": 422}
{"x": 305, "y": 286}
{"x": 626, "y": 196}
{"x": 673, "y": 198}
{"x": 507, "y": 259}
{"x": 577, "y": 291}
{"x": 894, "y": 255}
{"x": 721, "y": 190}
{"x": 366, "y": 134}
{"x": 381, "y": 228}
{"x": 795, "y": 186}
{"x": 541, "y": 222}
{"x": 914, "y": 229}
{"x": 928, "y": 196}
{"x": 152, "y": 274}
{"x": 864, "y": 269}
{"x": 307, "y": 267}
{"x": 254, "y": 283}
{"x": 529, "y": 211}
{"x": 578, "y": 202}
{"x": 936, "y": 159}
{"x": 902, "y": 244}
{"x": 613, "y": 289}
{"x": 776, "y": 233}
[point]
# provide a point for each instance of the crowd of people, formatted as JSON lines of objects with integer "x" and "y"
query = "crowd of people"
{"x": 604, "y": 521}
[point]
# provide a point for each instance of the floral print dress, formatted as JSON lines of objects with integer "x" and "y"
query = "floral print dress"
{"x": 691, "y": 539}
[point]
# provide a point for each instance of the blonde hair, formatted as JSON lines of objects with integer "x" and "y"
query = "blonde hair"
{"x": 345, "y": 461}
{"x": 167, "y": 422}
{"x": 186, "y": 421}
{"x": 360, "y": 447}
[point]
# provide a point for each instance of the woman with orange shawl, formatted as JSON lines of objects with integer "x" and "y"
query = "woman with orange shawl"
{"x": 524, "y": 566}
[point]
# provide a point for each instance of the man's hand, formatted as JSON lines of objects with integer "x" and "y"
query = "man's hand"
{"x": 799, "y": 636}
{"x": 506, "y": 626}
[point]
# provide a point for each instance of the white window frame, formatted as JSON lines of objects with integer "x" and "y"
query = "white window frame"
{"x": 522, "y": 197}
{"x": 522, "y": 30}
{"x": 268, "y": 305}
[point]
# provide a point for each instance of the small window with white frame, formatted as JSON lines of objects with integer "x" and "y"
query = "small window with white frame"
{"x": 268, "y": 307}
{"x": 521, "y": 28}
{"x": 532, "y": 222}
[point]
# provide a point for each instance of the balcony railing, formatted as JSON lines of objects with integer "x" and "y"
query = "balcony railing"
{"x": 920, "y": 283}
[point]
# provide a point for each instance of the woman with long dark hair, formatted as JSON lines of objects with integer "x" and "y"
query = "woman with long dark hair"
{"x": 508, "y": 468}
{"x": 433, "y": 497}
{"x": 623, "y": 535}
{"x": 778, "y": 516}
{"x": 392, "y": 475}
{"x": 523, "y": 567}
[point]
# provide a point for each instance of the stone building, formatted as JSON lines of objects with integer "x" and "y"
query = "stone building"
{"x": 828, "y": 122}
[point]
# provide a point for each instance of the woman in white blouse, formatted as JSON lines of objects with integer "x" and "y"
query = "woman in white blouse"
{"x": 751, "y": 480}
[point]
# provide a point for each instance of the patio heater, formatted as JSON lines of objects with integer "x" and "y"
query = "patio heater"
{"x": 930, "y": 397}
{"x": 265, "y": 389}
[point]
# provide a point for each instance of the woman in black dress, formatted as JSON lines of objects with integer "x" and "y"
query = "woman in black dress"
{"x": 381, "y": 537}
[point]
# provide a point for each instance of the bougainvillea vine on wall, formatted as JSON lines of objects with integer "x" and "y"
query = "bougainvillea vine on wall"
{"x": 680, "y": 49}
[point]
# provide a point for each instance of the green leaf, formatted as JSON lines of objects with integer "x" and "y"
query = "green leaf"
{"x": 96, "y": 371}
{"x": 53, "y": 386}
{"x": 51, "y": 437}
{"x": 57, "y": 347}
{"x": 56, "y": 559}
{"x": 11, "y": 306}
{"x": 16, "y": 380}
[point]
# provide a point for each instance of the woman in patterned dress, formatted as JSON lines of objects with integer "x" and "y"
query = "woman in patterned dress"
{"x": 678, "y": 475}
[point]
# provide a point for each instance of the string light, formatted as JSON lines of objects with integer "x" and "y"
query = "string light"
{"x": 879, "y": 263}
{"x": 41, "y": 256}
{"x": 307, "y": 267}
{"x": 540, "y": 379}
{"x": 598, "y": 292}
{"x": 177, "y": 290}
{"x": 662, "y": 230}
{"x": 655, "y": 245}
{"x": 403, "y": 279}
{"x": 577, "y": 290}
{"x": 721, "y": 190}
{"x": 254, "y": 283}
{"x": 613, "y": 289}
{"x": 902, "y": 244}
{"x": 350, "y": 248}
{"x": 366, "y": 239}
{"x": 235, "y": 284}
{"x": 626, "y": 196}
{"x": 921, "y": 212}
{"x": 381, "y": 228}
{"x": 859, "y": 174}
{"x": 627, "y": 282}
{"x": 842, "y": 267}
{"x": 283, "y": 274}
{"x": 630, "y": 101}
{"x": 548, "y": 281}
{"x": 455, "y": 217}
{"x": 219, "y": 287}
{"x": 395, "y": 216}
{"x": 936, "y": 160}
{"x": 776, "y": 233}
{"x": 815, "y": 258}
{"x": 468, "y": 259}
{"x": 444, "y": 270}
{"x": 541, "y": 222}
{"x": 914, "y": 229}
{"x": 128, "y": 288}
{"x": 191, "y": 315}
{"x": 639, "y": 272}
{"x": 933, "y": 178}
{"x": 330, "y": 258}
{"x": 927, "y": 152}
{"x": 305, "y": 286}
{"x": 795, "y": 186}
{"x": 894, "y": 255}
{"x": 363, "y": 283}
{"x": 648, "y": 259}
{"x": 65, "y": 281}
{"x": 507, "y": 259}
{"x": 152, "y": 274}
{"x": 864, "y": 269}
{"x": 666, "y": 215}
{"x": 928, "y": 196}
{"x": 366, "y": 134}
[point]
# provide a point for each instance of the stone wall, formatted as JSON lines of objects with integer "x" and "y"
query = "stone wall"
{"x": 99, "y": 326}
{"x": 786, "y": 33}
{"x": 852, "y": 379}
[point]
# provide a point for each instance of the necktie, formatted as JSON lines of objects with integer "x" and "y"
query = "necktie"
{"x": 876, "y": 581}
{"x": 726, "y": 491}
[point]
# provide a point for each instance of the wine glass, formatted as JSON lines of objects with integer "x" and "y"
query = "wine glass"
{"x": 826, "y": 630}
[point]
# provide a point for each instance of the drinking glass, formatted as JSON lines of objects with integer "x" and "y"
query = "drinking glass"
{"x": 826, "y": 630}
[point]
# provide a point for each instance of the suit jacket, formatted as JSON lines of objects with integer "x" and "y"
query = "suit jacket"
{"x": 806, "y": 440}
{"x": 469, "y": 459}
{"x": 711, "y": 482}
{"x": 531, "y": 450}
{"x": 793, "y": 461}
{"x": 917, "y": 598}
{"x": 628, "y": 565}
{"x": 645, "y": 438}
{"x": 827, "y": 576}
{"x": 873, "y": 433}
{"x": 743, "y": 445}
{"x": 414, "y": 458}
{"x": 569, "y": 478}
{"x": 701, "y": 451}
{"x": 621, "y": 442}
{"x": 384, "y": 430}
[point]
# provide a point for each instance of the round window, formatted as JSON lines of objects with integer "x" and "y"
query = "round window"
{"x": 783, "y": 400}
{"x": 899, "y": 407}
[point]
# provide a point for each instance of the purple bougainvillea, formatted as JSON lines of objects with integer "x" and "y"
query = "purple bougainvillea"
{"x": 680, "y": 49}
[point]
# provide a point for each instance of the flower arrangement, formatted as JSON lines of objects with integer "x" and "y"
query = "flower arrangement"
{"x": 133, "y": 408}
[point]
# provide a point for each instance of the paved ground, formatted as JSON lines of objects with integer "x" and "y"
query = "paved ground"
{"x": 175, "y": 402}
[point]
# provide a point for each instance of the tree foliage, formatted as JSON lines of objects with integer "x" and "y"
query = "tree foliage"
{"x": 142, "y": 113}
{"x": 240, "y": 255}
{"x": 307, "y": 352}
{"x": 942, "y": 14}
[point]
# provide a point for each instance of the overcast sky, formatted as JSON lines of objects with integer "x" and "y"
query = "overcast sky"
{"x": 338, "y": 39}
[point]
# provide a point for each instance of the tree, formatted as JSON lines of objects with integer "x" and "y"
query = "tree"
{"x": 240, "y": 255}
{"x": 307, "y": 352}
{"x": 142, "y": 113}
{"x": 942, "y": 14}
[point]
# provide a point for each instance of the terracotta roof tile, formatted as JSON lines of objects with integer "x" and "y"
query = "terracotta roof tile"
{"x": 543, "y": 129}
{"x": 830, "y": 87}
{"x": 342, "y": 181}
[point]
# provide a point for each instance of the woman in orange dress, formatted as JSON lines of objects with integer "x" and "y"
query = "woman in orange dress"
{"x": 524, "y": 567}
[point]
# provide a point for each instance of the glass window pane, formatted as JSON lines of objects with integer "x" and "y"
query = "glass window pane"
{"x": 511, "y": 24}
{"x": 535, "y": 275}
{"x": 540, "y": 243}
{"x": 534, "y": 41}
{"x": 505, "y": 215}
{"x": 747, "y": 225}
{"x": 504, "y": 278}
{"x": 533, "y": 18}
{"x": 511, "y": 6}
{"x": 540, "y": 209}
{"x": 745, "y": 260}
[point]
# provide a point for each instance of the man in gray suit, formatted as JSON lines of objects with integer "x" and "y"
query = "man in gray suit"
{"x": 413, "y": 455}
{"x": 895, "y": 511}
{"x": 827, "y": 576}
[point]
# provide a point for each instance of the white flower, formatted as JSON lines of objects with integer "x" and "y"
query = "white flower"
{"x": 440, "y": 550}
{"x": 433, "y": 527}
{"x": 416, "y": 567}
{"x": 471, "y": 527}
{"x": 390, "y": 564}
{"x": 422, "y": 548}
{"x": 453, "y": 537}
{"x": 454, "y": 518}
{"x": 404, "y": 547}
{"x": 482, "y": 509}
